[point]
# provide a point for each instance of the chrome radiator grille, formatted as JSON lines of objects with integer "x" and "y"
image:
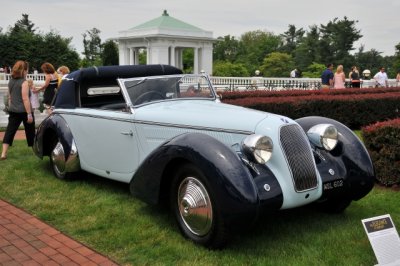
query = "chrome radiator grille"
{"x": 299, "y": 157}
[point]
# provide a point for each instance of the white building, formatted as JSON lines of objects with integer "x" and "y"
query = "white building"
{"x": 164, "y": 39}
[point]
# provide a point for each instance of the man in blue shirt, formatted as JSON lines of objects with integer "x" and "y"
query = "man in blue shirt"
{"x": 327, "y": 77}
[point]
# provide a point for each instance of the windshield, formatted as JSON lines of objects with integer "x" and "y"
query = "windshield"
{"x": 150, "y": 89}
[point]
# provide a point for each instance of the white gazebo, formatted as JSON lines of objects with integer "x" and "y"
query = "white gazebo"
{"x": 164, "y": 39}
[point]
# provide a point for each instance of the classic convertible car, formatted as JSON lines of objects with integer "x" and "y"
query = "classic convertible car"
{"x": 219, "y": 166}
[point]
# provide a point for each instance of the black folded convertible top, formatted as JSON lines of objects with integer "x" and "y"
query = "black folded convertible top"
{"x": 104, "y": 76}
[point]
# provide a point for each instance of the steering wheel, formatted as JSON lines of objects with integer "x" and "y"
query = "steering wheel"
{"x": 148, "y": 97}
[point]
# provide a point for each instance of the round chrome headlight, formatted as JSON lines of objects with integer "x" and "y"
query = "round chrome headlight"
{"x": 257, "y": 148}
{"x": 323, "y": 136}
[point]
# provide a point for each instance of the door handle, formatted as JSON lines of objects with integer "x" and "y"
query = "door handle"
{"x": 130, "y": 133}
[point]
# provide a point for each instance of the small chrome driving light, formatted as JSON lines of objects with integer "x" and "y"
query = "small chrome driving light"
{"x": 323, "y": 136}
{"x": 257, "y": 148}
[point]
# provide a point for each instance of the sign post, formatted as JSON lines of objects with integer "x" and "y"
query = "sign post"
{"x": 384, "y": 239}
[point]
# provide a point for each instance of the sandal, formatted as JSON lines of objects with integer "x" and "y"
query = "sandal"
{"x": 3, "y": 158}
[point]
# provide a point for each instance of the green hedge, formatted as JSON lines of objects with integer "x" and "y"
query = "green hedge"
{"x": 383, "y": 143}
{"x": 354, "y": 108}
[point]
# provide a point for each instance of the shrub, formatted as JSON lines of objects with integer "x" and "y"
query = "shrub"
{"x": 353, "y": 107}
{"x": 297, "y": 92}
{"x": 382, "y": 140}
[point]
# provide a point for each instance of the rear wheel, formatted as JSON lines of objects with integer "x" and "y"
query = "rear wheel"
{"x": 195, "y": 210}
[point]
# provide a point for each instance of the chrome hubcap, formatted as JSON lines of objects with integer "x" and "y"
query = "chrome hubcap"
{"x": 195, "y": 206}
{"x": 58, "y": 158}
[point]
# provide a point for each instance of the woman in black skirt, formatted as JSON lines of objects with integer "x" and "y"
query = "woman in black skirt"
{"x": 50, "y": 85}
{"x": 20, "y": 109}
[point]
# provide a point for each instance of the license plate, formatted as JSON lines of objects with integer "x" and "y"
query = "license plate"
{"x": 333, "y": 184}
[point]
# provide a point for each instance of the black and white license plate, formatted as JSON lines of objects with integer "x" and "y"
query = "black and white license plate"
{"x": 333, "y": 184}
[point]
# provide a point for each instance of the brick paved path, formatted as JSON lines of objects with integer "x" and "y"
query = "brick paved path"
{"x": 20, "y": 135}
{"x": 25, "y": 240}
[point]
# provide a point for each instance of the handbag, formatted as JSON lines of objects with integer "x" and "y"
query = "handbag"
{"x": 6, "y": 104}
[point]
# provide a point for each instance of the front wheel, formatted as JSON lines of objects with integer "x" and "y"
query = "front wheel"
{"x": 193, "y": 205}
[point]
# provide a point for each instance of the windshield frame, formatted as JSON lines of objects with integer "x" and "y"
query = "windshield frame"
{"x": 193, "y": 78}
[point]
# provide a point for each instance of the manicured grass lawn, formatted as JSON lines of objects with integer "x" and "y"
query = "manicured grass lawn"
{"x": 103, "y": 215}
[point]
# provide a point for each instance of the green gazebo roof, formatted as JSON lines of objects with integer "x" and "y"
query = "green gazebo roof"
{"x": 166, "y": 22}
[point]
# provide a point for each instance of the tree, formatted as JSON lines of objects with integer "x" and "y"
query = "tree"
{"x": 314, "y": 70}
{"x": 254, "y": 46}
{"x": 56, "y": 50}
{"x": 24, "y": 24}
{"x": 307, "y": 50}
{"x": 388, "y": 62}
{"x": 228, "y": 69}
{"x": 22, "y": 43}
{"x": 142, "y": 56}
{"x": 371, "y": 60}
{"x": 109, "y": 55}
{"x": 396, "y": 59}
{"x": 226, "y": 49}
{"x": 277, "y": 64}
{"x": 188, "y": 60}
{"x": 291, "y": 39}
{"x": 92, "y": 48}
{"x": 337, "y": 40}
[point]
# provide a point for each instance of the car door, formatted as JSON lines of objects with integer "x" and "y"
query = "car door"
{"x": 106, "y": 142}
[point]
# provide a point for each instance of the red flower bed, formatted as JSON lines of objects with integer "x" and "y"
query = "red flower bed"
{"x": 353, "y": 110}
{"x": 252, "y": 94}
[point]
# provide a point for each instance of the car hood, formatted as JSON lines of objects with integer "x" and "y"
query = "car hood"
{"x": 201, "y": 113}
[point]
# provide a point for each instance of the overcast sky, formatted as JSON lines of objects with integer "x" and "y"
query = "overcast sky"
{"x": 378, "y": 20}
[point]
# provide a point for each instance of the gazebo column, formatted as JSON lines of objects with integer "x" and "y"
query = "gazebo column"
{"x": 205, "y": 59}
{"x": 196, "y": 61}
{"x": 123, "y": 54}
{"x": 172, "y": 56}
{"x": 136, "y": 56}
{"x": 148, "y": 54}
{"x": 131, "y": 55}
{"x": 178, "y": 58}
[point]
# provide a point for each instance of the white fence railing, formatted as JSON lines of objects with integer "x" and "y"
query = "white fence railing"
{"x": 38, "y": 79}
{"x": 260, "y": 83}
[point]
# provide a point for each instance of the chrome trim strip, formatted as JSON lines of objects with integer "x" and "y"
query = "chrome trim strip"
{"x": 126, "y": 95}
{"x": 243, "y": 132}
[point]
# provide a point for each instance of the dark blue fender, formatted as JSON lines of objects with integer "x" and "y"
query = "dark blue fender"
{"x": 349, "y": 161}
{"x": 52, "y": 127}
{"x": 237, "y": 190}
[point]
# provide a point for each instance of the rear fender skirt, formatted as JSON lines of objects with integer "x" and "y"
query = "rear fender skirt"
{"x": 230, "y": 180}
{"x": 347, "y": 170}
{"x": 55, "y": 123}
